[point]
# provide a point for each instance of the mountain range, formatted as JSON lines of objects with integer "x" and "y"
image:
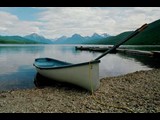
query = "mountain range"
{"x": 34, "y": 38}
{"x": 78, "y": 39}
{"x": 150, "y": 36}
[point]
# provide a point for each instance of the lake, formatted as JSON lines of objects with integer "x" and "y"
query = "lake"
{"x": 17, "y": 70}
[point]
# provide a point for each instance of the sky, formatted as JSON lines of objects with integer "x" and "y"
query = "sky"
{"x": 54, "y": 22}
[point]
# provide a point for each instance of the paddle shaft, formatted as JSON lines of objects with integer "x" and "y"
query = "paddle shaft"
{"x": 123, "y": 41}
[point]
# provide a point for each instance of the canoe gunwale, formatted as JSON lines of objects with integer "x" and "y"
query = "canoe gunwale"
{"x": 68, "y": 65}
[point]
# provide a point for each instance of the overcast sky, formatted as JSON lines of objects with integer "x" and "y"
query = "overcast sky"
{"x": 53, "y": 22}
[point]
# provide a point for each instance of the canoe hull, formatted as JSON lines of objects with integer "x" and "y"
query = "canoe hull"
{"x": 85, "y": 75}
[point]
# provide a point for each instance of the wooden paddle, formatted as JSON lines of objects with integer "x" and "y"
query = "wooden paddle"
{"x": 123, "y": 41}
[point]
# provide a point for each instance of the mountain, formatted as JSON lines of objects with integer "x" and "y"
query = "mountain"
{"x": 75, "y": 39}
{"x": 37, "y": 38}
{"x": 150, "y": 36}
{"x": 96, "y": 38}
{"x": 60, "y": 40}
{"x": 16, "y": 40}
{"x": 78, "y": 39}
{"x": 112, "y": 40}
{"x": 28, "y": 39}
{"x": 105, "y": 35}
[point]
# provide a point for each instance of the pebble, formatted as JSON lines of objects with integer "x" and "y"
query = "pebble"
{"x": 137, "y": 92}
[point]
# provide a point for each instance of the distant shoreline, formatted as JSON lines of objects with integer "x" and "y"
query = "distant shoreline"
{"x": 136, "y": 92}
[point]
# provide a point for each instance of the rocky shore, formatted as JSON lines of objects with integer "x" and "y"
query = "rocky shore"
{"x": 137, "y": 92}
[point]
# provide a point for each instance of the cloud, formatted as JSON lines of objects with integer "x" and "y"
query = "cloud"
{"x": 53, "y": 22}
{"x": 82, "y": 20}
{"x": 60, "y": 21}
{"x": 11, "y": 25}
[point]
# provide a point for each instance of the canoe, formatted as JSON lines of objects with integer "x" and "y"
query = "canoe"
{"x": 85, "y": 75}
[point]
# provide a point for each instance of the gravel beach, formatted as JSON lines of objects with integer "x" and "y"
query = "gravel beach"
{"x": 137, "y": 92}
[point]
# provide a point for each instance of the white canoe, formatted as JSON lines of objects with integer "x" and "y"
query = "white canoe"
{"x": 85, "y": 75}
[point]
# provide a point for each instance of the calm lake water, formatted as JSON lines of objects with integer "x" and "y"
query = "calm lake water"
{"x": 17, "y": 70}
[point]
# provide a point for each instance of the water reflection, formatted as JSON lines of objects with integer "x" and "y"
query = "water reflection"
{"x": 22, "y": 78}
{"x": 114, "y": 65}
{"x": 17, "y": 70}
{"x": 151, "y": 62}
{"x": 142, "y": 47}
{"x": 21, "y": 48}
